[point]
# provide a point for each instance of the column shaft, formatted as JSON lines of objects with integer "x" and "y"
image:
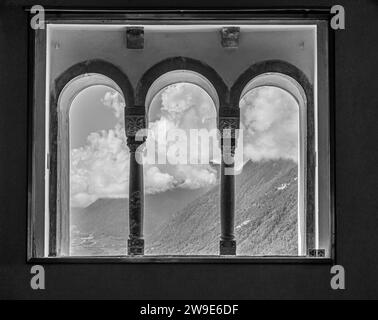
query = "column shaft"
{"x": 136, "y": 204}
{"x": 227, "y": 202}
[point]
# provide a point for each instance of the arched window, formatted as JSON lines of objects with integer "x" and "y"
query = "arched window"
{"x": 271, "y": 188}
{"x": 181, "y": 173}
{"x": 92, "y": 171}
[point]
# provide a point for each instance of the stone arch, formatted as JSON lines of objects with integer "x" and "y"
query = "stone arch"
{"x": 65, "y": 88}
{"x": 180, "y": 76}
{"x": 286, "y": 76}
{"x": 95, "y": 66}
{"x": 274, "y": 67}
{"x": 182, "y": 69}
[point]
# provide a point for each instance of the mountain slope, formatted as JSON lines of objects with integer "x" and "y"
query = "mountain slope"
{"x": 102, "y": 228}
{"x": 188, "y": 222}
{"x": 265, "y": 217}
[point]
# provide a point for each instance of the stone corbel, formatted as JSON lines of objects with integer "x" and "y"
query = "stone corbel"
{"x": 230, "y": 37}
{"x": 135, "y": 37}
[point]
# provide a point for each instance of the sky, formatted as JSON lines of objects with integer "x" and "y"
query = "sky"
{"x": 100, "y": 157}
{"x": 270, "y": 121}
{"x": 89, "y": 114}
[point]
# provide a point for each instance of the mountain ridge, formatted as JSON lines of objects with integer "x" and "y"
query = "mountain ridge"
{"x": 265, "y": 218}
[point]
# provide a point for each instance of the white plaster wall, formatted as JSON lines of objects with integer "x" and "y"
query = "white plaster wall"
{"x": 73, "y": 44}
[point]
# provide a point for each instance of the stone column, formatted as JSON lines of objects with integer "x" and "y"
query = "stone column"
{"x": 228, "y": 123}
{"x": 135, "y": 121}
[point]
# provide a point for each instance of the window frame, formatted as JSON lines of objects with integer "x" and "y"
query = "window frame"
{"x": 37, "y": 222}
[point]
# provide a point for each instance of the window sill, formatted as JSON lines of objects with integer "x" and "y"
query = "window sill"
{"x": 181, "y": 260}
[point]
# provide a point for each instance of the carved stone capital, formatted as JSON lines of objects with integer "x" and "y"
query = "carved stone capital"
{"x": 228, "y": 123}
{"x": 134, "y": 123}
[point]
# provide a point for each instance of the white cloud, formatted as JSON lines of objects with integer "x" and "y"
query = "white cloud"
{"x": 100, "y": 169}
{"x": 188, "y": 106}
{"x": 176, "y": 99}
{"x": 270, "y": 123}
{"x": 115, "y": 102}
{"x": 195, "y": 176}
{"x": 183, "y": 106}
{"x": 157, "y": 181}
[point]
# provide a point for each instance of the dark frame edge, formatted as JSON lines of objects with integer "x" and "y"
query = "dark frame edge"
{"x": 332, "y": 138}
{"x": 175, "y": 9}
{"x": 182, "y": 260}
{"x": 30, "y": 121}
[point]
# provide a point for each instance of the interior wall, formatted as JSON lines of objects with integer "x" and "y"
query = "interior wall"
{"x": 355, "y": 104}
{"x": 76, "y": 44}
